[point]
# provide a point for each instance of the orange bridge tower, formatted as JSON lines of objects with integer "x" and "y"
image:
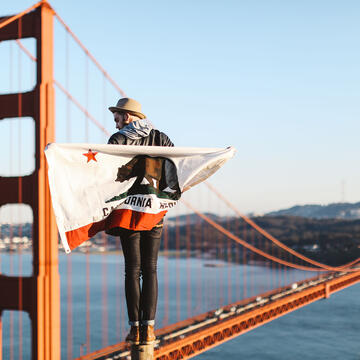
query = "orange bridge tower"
{"x": 39, "y": 294}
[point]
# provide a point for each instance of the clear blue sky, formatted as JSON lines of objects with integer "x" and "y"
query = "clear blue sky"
{"x": 279, "y": 80}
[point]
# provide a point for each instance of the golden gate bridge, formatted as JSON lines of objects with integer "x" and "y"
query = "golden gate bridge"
{"x": 207, "y": 321}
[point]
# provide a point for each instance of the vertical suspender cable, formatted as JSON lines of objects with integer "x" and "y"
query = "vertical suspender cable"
{"x": 11, "y": 320}
{"x": 177, "y": 240}
{"x": 104, "y": 112}
{"x": 283, "y": 270}
{"x": 69, "y": 332}
{"x": 104, "y": 236}
{"x": 67, "y": 75}
{"x": 11, "y": 312}
{"x": 286, "y": 273}
{"x": 206, "y": 253}
{"x": 88, "y": 321}
{"x": 216, "y": 290}
{"x": 123, "y": 328}
{"x": 11, "y": 273}
{"x": 188, "y": 259}
{"x": 269, "y": 267}
{"x": 293, "y": 273}
{"x": 220, "y": 288}
{"x": 229, "y": 260}
{"x": 244, "y": 263}
{"x": 266, "y": 267}
{"x": 20, "y": 190}
{"x": 280, "y": 269}
{"x": 277, "y": 268}
{"x": 87, "y": 300}
{"x": 272, "y": 282}
{"x": 202, "y": 291}
{"x": 69, "y": 308}
{"x": 118, "y": 292}
{"x": 293, "y": 277}
{"x": 237, "y": 260}
{"x": 204, "y": 294}
{"x": 198, "y": 255}
{"x": 261, "y": 246}
{"x": 225, "y": 255}
{"x": 105, "y": 323}
{"x": 222, "y": 257}
{"x": 86, "y": 97}
{"x": 105, "y": 320}
{"x": 166, "y": 277}
{"x": 252, "y": 264}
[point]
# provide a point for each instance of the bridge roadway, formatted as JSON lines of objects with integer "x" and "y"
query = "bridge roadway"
{"x": 191, "y": 337}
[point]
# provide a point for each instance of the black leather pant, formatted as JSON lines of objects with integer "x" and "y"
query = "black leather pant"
{"x": 140, "y": 250}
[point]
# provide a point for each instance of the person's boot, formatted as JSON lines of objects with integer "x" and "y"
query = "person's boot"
{"x": 134, "y": 335}
{"x": 147, "y": 334}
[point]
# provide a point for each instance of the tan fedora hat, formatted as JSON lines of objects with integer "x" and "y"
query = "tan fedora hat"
{"x": 128, "y": 105}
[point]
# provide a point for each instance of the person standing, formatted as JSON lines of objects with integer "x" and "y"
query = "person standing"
{"x": 140, "y": 248}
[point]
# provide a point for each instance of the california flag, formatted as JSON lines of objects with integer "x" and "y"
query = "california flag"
{"x": 102, "y": 187}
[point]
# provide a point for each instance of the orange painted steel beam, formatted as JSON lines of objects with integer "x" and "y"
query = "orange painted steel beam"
{"x": 9, "y": 105}
{"x": 39, "y": 294}
{"x": 9, "y": 20}
{"x": 12, "y": 195}
{"x": 26, "y": 298}
{"x": 220, "y": 331}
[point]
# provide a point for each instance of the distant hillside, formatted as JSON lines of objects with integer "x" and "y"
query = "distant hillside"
{"x": 331, "y": 211}
{"x": 330, "y": 241}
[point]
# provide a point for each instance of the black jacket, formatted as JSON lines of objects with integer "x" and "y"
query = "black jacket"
{"x": 155, "y": 138}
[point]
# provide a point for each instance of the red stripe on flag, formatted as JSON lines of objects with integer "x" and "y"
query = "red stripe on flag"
{"x": 133, "y": 220}
{"x": 124, "y": 218}
{"x": 81, "y": 234}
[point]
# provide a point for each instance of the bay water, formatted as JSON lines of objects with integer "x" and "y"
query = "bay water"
{"x": 95, "y": 315}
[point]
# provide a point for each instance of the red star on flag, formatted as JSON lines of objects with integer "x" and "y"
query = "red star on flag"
{"x": 90, "y": 155}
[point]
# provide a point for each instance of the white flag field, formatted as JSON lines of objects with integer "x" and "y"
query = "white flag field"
{"x": 103, "y": 187}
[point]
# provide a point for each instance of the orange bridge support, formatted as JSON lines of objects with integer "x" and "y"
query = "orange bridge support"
{"x": 39, "y": 294}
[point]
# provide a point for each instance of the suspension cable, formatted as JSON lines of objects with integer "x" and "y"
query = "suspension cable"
{"x": 81, "y": 107}
{"x": 277, "y": 242}
{"x": 256, "y": 250}
{"x": 17, "y": 16}
{"x": 70, "y": 97}
{"x": 25, "y": 50}
{"x": 87, "y": 52}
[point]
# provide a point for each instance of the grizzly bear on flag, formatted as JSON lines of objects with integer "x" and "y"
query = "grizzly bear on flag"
{"x": 153, "y": 175}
